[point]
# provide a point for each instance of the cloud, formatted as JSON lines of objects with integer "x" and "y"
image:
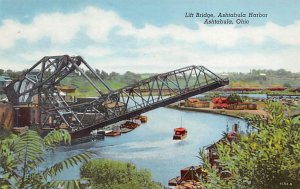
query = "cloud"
{"x": 94, "y": 51}
{"x": 61, "y": 28}
{"x": 90, "y": 51}
{"x": 220, "y": 35}
{"x": 204, "y": 45}
{"x": 97, "y": 24}
{"x": 158, "y": 59}
{"x": 10, "y": 63}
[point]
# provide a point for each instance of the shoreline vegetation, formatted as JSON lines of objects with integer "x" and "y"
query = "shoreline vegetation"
{"x": 242, "y": 114}
{"x": 265, "y": 158}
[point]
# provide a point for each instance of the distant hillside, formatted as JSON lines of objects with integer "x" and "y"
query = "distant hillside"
{"x": 265, "y": 78}
{"x": 113, "y": 80}
{"x": 255, "y": 78}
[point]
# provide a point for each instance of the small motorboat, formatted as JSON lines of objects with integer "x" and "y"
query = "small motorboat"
{"x": 142, "y": 118}
{"x": 179, "y": 133}
{"x": 130, "y": 125}
{"x": 97, "y": 132}
{"x": 112, "y": 133}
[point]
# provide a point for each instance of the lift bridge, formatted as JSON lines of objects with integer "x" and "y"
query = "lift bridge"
{"x": 39, "y": 87}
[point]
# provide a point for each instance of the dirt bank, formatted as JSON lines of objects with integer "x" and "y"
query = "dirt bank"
{"x": 233, "y": 113}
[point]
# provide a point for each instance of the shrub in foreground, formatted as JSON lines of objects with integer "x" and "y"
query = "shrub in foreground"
{"x": 104, "y": 173}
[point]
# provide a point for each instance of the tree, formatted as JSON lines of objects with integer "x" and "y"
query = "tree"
{"x": 234, "y": 98}
{"x": 12, "y": 74}
{"x": 98, "y": 72}
{"x": 104, "y": 75}
{"x": 111, "y": 174}
{"x": 287, "y": 85}
{"x": 21, "y": 155}
{"x": 89, "y": 74}
{"x": 130, "y": 77}
{"x": 113, "y": 75}
{"x": 4, "y": 132}
{"x": 266, "y": 158}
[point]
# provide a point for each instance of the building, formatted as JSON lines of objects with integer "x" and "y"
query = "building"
{"x": 224, "y": 102}
{"x": 4, "y": 81}
{"x": 220, "y": 102}
{"x": 196, "y": 103}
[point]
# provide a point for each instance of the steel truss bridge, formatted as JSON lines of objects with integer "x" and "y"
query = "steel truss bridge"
{"x": 39, "y": 86}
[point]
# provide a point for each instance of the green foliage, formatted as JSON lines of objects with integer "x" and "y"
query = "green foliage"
{"x": 53, "y": 138}
{"x": 4, "y": 132}
{"x": 287, "y": 85}
{"x": 209, "y": 96}
{"x": 85, "y": 89}
{"x": 130, "y": 77}
{"x": 264, "y": 78}
{"x": 296, "y": 120}
{"x": 105, "y": 173}
{"x": 12, "y": 74}
{"x": 266, "y": 158}
{"x": 234, "y": 98}
{"x": 21, "y": 156}
{"x": 104, "y": 75}
{"x": 113, "y": 75}
{"x": 89, "y": 74}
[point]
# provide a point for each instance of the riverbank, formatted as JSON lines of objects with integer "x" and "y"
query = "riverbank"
{"x": 232, "y": 113}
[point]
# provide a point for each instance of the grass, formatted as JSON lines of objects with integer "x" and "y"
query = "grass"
{"x": 85, "y": 89}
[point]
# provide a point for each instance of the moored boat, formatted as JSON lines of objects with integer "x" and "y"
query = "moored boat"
{"x": 130, "y": 125}
{"x": 142, "y": 118}
{"x": 112, "y": 133}
{"x": 126, "y": 130}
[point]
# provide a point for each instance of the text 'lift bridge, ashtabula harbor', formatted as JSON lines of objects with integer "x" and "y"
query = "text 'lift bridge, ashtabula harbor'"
{"x": 38, "y": 87}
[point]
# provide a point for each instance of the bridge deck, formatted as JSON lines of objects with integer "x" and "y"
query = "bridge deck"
{"x": 130, "y": 114}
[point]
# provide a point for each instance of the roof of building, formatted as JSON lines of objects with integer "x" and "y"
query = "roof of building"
{"x": 5, "y": 78}
{"x": 193, "y": 99}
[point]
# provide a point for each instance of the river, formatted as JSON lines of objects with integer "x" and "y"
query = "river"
{"x": 150, "y": 146}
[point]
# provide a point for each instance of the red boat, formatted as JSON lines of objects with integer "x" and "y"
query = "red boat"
{"x": 180, "y": 133}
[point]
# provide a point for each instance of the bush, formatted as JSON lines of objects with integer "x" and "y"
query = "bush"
{"x": 266, "y": 158}
{"x": 22, "y": 155}
{"x": 4, "y": 133}
{"x": 234, "y": 98}
{"x": 104, "y": 173}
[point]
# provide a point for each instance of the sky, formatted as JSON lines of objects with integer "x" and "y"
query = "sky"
{"x": 148, "y": 36}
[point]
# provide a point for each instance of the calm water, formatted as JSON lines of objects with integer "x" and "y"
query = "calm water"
{"x": 151, "y": 146}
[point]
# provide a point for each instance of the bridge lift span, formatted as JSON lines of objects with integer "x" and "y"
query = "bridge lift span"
{"x": 39, "y": 85}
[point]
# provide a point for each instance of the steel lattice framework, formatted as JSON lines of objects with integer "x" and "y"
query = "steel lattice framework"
{"x": 38, "y": 85}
